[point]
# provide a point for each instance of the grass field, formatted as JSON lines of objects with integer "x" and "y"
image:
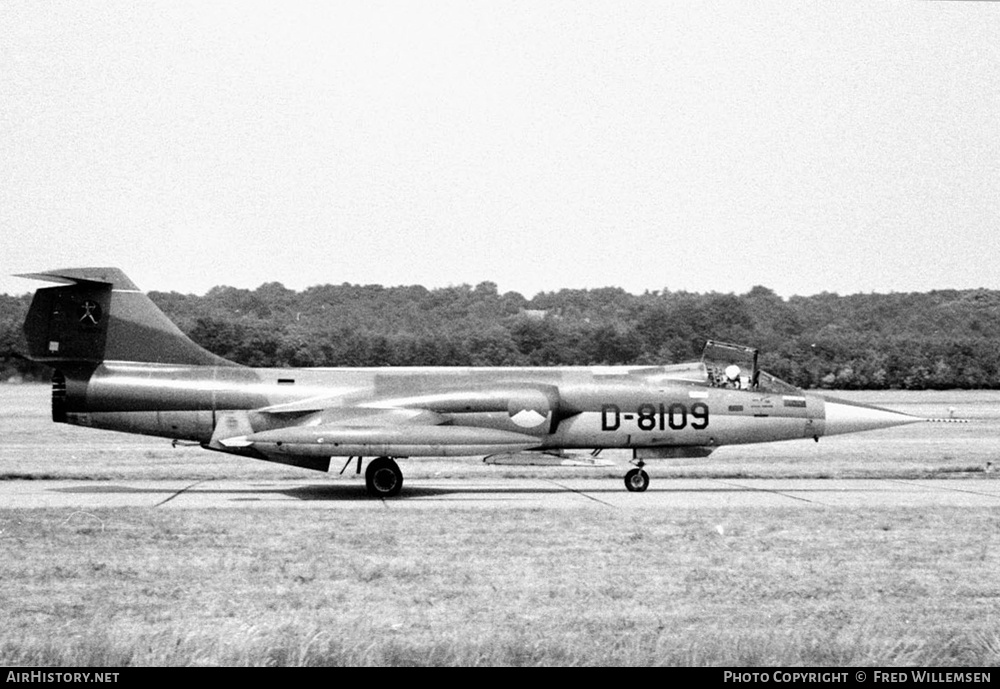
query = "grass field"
{"x": 586, "y": 586}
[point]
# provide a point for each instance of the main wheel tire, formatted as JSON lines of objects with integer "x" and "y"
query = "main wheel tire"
{"x": 636, "y": 481}
{"x": 383, "y": 478}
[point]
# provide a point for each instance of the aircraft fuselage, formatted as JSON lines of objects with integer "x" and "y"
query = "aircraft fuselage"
{"x": 576, "y": 407}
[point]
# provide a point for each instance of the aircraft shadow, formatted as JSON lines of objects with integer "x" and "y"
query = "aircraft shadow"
{"x": 348, "y": 492}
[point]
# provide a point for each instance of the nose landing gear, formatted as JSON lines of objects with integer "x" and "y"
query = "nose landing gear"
{"x": 637, "y": 480}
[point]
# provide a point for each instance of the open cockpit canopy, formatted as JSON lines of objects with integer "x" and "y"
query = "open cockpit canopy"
{"x": 735, "y": 366}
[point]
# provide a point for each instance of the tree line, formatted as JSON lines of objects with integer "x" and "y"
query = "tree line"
{"x": 935, "y": 340}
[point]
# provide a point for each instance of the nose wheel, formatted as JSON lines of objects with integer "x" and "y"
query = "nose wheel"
{"x": 383, "y": 478}
{"x": 636, "y": 480}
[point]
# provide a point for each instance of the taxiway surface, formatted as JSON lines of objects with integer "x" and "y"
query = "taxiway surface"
{"x": 663, "y": 494}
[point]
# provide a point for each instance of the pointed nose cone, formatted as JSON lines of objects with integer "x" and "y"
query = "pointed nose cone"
{"x": 850, "y": 417}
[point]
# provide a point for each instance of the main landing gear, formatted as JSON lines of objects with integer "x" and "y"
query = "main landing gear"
{"x": 637, "y": 480}
{"x": 383, "y": 478}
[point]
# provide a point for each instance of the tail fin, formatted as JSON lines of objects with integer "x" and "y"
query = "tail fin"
{"x": 98, "y": 314}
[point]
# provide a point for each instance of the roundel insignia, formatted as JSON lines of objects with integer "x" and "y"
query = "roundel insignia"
{"x": 89, "y": 313}
{"x": 529, "y": 409}
{"x": 528, "y": 418}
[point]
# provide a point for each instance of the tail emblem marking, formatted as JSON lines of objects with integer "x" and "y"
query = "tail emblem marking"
{"x": 90, "y": 311}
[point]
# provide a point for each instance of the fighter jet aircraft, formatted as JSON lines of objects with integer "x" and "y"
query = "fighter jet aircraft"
{"x": 119, "y": 363}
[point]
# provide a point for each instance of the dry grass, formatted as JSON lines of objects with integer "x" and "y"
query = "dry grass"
{"x": 519, "y": 587}
{"x": 585, "y": 586}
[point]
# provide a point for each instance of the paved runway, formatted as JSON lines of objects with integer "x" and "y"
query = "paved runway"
{"x": 663, "y": 494}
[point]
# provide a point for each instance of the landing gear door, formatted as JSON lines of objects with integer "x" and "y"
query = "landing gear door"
{"x": 730, "y": 365}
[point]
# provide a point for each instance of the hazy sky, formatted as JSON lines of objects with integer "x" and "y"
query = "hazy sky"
{"x": 838, "y": 146}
